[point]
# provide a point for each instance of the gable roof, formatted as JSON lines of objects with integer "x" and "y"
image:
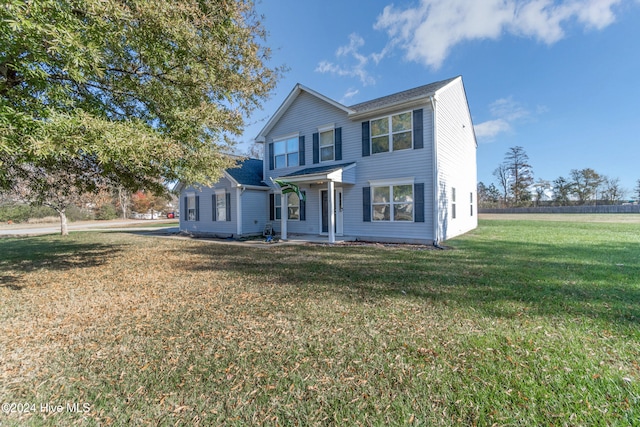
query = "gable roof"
{"x": 248, "y": 172}
{"x": 361, "y": 109}
{"x": 297, "y": 90}
{"x": 406, "y": 96}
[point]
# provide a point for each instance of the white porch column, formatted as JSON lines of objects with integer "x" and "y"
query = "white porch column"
{"x": 332, "y": 211}
{"x": 284, "y": 214}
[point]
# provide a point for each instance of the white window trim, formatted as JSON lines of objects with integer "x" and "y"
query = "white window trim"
{"x": 285, "y": 138}
{"x": 391, "y": 183}
{"x": 221, "y": 194}
{"x": 191, "y": 195}
{"x": 390, "y": 134}
{"x": 321, "y": 130}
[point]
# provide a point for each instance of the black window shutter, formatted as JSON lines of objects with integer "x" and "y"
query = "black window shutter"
{"x": 316, "y": 147}
{"x": 214, "y": 210}
{"x": 418, "y": 202}
{"x": 366, "y": 204}
{"x": 228, "y": 205}
{"x": 418, "y": 129}
{"x": 197, "y": 208}
{"x": 338, "y": 143}
{"x": 303, "y": 207}
{"x": 185, "y": 212}
{"x": 272, "y": 207}
{"x": 365, "y": 139}
{"x": 271, "y": 156}
{"x": 301, "y": 150}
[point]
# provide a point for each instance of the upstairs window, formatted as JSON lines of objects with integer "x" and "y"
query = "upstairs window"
{"x": 286, "y": 152}
{"x": 392, "y": 133}
{"x": 327, "y": 142}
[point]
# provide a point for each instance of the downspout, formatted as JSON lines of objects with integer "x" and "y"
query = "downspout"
{"x": 239, "y": 192}
{"x": 436, "y": 197}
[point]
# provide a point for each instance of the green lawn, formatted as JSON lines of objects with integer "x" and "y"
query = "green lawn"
{"x": 520, "y": 323}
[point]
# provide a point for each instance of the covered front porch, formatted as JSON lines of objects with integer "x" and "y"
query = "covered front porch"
{"x": 325, "y": 185}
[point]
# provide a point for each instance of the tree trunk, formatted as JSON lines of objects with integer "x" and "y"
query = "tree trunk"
{"x": 64, "y": 231}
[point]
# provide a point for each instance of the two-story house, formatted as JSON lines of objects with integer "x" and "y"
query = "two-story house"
{"x": 401, "y": 168}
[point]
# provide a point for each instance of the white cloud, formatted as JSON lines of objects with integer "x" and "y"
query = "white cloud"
{"x": 348, "y": 95}
{"x": 428, "y": 31}
{"x": 355, "y": 63}
{"x": 506, "y": 113}
{"x": 491, "y": 128}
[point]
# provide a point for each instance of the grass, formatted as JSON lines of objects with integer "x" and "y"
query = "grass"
{"x": 524, "y": 322}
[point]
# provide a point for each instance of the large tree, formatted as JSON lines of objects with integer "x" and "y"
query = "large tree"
{"x": 129, "y": 93}
{"x": 503, "y": 176}
{"x": 516, "y": 161}
{"x": 585, "y": 183}
{"x": 562, "y": 190}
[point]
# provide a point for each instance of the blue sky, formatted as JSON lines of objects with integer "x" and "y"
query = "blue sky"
{"x": 559, "y": 78}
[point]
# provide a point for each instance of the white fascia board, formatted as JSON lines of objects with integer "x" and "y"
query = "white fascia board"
{"x": 287, "y": 103}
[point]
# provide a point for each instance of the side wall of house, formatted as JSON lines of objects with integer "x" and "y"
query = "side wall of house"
{"x": 204, "y": 222}
{"x": 255, "y": 205}
{"x": 456, "y": 162}
{"x": 412, "y": 164}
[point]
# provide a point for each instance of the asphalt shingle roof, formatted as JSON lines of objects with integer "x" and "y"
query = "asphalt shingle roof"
{"x": 249, "y": 172}
{"x": 400, "y": 97}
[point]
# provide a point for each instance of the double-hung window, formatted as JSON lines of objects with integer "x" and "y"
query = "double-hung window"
{"x": 191, "y": 207}
{"x": 393, "y": 202}
{"x": 293, "y": 206}
{"x": 221, "y": 206}
{"x": 327, "y": 143}
{"x": 286, "y": 152}
{"x": 392, "y": 133}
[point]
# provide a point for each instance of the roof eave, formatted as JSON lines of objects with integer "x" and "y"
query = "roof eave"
{"x": 298, "y": 88}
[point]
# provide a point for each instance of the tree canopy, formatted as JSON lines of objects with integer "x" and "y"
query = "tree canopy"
{"x": 135, "y": 93}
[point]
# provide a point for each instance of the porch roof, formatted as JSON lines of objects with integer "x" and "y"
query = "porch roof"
{"x": 323, "y": 173}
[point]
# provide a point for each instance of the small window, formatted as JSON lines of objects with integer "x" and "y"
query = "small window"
{"x": 392, "y": 203}
{"x": 221, "y": 206}
{"x": 293, "y": 206}
{"x": 471, "y": 202}
{"x": 326, "y": 145}
{"x": 286, "y": 152}
{"x": 191, "y": 207}
{"x": 453, "y": 203}
{"x": 277, "y": 206}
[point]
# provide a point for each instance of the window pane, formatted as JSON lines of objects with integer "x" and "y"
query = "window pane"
{"x": 292, "y": 145}
{"x": 381, "y": 213}
{"x": 326, "y": 153}
{"x": 403, "y": 193}
{"x": 401, "y": 141}
{"x": 401, "y": 122}
{"x": 293, "y": 206}
{"x": 381, "y": 195}
{"x": 380, "y": 144}
{"x": 281, "y": 161}
{"x": 403, "y": 212}
{"x": 292, "y": 159}
{"x": 326, "y": 138}
{"x": 279, "y": 147}
{"x": 380, "y": 127}
{"x": 278, "y": 213}
{"x": 221, "y": 207}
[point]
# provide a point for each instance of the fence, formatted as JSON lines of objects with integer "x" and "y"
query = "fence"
{"x": 567, "y": 209}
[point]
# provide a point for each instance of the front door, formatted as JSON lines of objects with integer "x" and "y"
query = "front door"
{"x": 338, "y": 209}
